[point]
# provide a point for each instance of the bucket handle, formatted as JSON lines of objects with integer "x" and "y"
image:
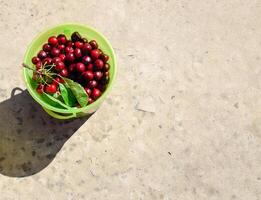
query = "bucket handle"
{"x": 56, "y": 115}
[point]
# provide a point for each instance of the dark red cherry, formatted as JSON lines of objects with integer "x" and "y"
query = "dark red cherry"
{"x": 70, "y": 57}
{"x": 55, "y": 52}
{"x": 47, "y": 47}
{"x": 35, "y": 60}
{"x": 94, "y": 44}
{"x": 53, "y": 41}
{"x": 42, "y": 55}
{"x": 80, "y": 67}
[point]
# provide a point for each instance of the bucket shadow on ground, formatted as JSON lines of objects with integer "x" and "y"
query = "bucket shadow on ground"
{"x": 29, "y": 138}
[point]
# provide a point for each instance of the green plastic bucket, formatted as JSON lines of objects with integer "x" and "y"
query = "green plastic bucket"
{"x": 35, "y": 47}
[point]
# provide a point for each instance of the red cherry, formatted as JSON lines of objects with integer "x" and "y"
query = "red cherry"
{"x": 38, "y": 65}
{"x": 57, "y": 80}
{"x": 57, "y": 59}
{"x": 98, "y": 75}
{"x": 64, "y": 72}
{"x": 88, "y": 91}
{"x": 40, "y": 88}
{"x": 84, "y": 40}
{"x": 69, "y": 43}
{"x": 90, "y": 67}
{"x": 88, "y": 75}
{"x": 42, "y": 55}
{"x": 78, "y": 44}
{"x": 47, "y": 61}
{"x": 70, "y": 57}
{"x": 72, "y": 67}
{"x": 106, "y": 67}
{"x": 105, "y": 80}
{"x": 94, "y": 44}
{"x": 61, "y": 47}
{"x": 95, "y": 54}
{"x": 106, "y": 73}
{"x": 51, "y": 89}
{"x": 59, "y": 66}
{"x": 62, "y": 56}
{"x": 69, "y": 49}
{"x": 104, "y": 57}
{"x": 80, "y": 67}
{"x": 47, "y": 47}
{"x": 78, "y": 53}
{"x": 55, "y": 52}
{"x": 92, "y": 84}
{"x": 35, "y": 60}
{"x": 90, "y": 100}
{"x": 53, "y": 41}
{"x": 96, "y": 93}
{"x": 62, "y": 39}
{"x": 86, "y": 48}
{"x": 86, "y": 60}
{"x": 99, "y": 64}
{"x": 101, "y": 87}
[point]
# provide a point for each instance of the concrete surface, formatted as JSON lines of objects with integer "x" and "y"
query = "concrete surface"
{"x": 182, "y": 122}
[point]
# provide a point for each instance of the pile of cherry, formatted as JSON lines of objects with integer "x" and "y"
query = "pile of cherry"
{"x": 76, "y": 59}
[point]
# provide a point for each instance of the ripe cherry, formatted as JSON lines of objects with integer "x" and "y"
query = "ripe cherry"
{"x": 72, "y": 67}
{"x": 104, "y": 58}
{"x": 84, "y": 40}
{"x": 57, "y": 59}
{"x": 78, "y": 53}
{"x": 90, "y": 100}
{"x": 62, "y": 39}
{"x": 97, "y": 75}
{"x": 78, "y": 44}
{"x": 76, "y": 37}
{"x": 55, "y": 52}
{"x": 92, "y": 84}
{"x": 90, "y": 67}
{"x": 80, "y": 67}
{"x": 99, "y": 64}
{"x": 95, "y": 54}
{"x": 47, "y": 61}
{"x": 62, "y": 56}
{"x": 69, "y": 43}
{"x": 70, "y": 57}
{"x": 57, "y": 80}
{"x": 51, "y": 89}
{"x": 42, "y": 55}
{"x": 86, "y": 60}
{"x": 59, "y": 66}
{"x": 101, "y": 87}
{"x": 64, "y": 72}
{"x": 88, "y": 91}
{"x": 106, "y": 67}
{"x": 86, "y": 48}
{"x": 105, "y": 80}
{"x": 53, "y": 41}
{"x": 88, "y": 75}
{"x": 47, "y": 47}
{"x": 94, "y": 44}
{"x": 96, "y": 93}
{"x": 38, "y": 65}
{"x": 35, "y": 60}
{"x": 61, "y": 47}
{"x": 106, "y": 73}
{"x": 69, "y": 49}
{"x": 40, "y": 88}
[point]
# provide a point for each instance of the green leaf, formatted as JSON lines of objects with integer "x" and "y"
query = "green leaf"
{"x": 64, "y": 94}
{"x": 54, "y": 101}
{"x": 67, "y": 95}
{"x": 78, "y": 91}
